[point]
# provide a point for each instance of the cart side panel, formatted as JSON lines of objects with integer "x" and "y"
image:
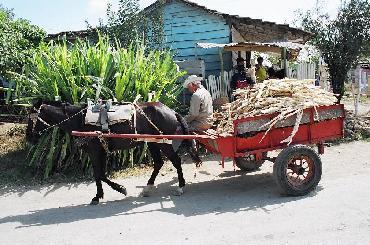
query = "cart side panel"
{"x": 329, "y": 129}
{"x": 223, "y": 146}
{"x": 314, "y": 131}
{"x": 272, "y": 139}
{"x": 307, "y": 134}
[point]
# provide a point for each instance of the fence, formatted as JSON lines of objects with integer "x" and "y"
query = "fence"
{"x": 302, "y": 71}
{"x": 217, "y": 87}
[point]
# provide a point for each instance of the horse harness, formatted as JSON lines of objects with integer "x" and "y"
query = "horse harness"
{"x": 104, "y": 141}
{"x": 102, "y": 119}
{"x": 57, "y": 124}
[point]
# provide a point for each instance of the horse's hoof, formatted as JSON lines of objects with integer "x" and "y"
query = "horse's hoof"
{"x": 123, "y": 190}
{"x": 178, "y": 191}
{"x": 198, "y": 164}
{"x": 147, "y": 190}
{"x": 94, "y": 201}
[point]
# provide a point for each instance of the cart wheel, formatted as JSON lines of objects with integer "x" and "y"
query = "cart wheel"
{"x": 297, "y": 170}
{"x": 249, "y": 163}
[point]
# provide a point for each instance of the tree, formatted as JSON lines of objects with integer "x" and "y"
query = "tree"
{"x": 18, "y": 40}
{"x": 128, "y": 24}
{"x": 124, "y": 23}
{"x": 343, "y": 40}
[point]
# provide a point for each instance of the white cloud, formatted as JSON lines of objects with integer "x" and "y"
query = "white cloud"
{"x": 97, "y": 7}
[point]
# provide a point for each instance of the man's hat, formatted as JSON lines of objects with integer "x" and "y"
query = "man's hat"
{"x": 192, "y": 79}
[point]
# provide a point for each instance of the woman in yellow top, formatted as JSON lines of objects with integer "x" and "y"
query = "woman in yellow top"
{"x": 261, "y": 72}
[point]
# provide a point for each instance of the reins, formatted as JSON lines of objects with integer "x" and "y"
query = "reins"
{"x": 57, "y": 124}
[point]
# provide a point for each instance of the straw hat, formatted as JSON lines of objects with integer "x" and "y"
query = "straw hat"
{"x": 192, "y": 79}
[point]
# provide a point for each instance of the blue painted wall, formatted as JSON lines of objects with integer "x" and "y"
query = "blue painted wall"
{"x": 184, "y": 26}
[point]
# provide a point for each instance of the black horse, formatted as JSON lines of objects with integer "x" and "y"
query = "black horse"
{"x": 151, "y": 118}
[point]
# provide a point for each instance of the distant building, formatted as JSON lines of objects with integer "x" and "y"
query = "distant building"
{"x": 70, "y": 36}
{"x": 362, "y": 77}
{"x": 187, "y": 23}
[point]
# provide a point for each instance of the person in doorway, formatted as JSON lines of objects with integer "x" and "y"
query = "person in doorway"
{"x": 261, "y": 72}
{"x": 241, "y": 78}
{"x": 200, "y": 113}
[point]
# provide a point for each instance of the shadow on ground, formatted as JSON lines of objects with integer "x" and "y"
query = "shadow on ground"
{"x": 238, "y": 192}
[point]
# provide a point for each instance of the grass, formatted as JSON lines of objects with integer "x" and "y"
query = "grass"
{"x": 12, "y": 155}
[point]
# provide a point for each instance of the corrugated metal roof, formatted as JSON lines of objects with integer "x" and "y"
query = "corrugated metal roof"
{"x": 254, "y": 46}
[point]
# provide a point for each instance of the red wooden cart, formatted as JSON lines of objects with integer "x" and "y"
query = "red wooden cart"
{"x": 297, "y": 168}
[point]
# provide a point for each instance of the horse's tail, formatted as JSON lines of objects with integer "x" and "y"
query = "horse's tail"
{"x": 184, "y": 125}
{"x": 189, "y": 147}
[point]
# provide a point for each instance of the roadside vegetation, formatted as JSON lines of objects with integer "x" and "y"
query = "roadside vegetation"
{"x": 18, "y": 41}
{"x": 125, "y": 61}
{"x": 74, "y": 73}
{"x": 105, "y": 68}
{"x": 343, "y": 41}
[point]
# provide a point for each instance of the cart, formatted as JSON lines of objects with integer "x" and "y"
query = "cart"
{"x": 297, "y": 168}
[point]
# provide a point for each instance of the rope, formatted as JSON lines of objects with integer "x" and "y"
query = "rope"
{"x": 56, "y": 125}
{"x": 103, "y": 142}
{"x": 147, "y": 118}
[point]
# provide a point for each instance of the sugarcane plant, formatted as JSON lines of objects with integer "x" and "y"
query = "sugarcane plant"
{"x": 75, "y": 72}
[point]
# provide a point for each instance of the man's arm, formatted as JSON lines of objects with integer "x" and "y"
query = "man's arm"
{"x": 194, "y": 108}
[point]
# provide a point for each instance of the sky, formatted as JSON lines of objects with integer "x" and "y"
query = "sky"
{"x": 70, "y": 15}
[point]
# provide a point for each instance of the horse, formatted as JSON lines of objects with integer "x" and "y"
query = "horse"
{"x": 150, "y": 118}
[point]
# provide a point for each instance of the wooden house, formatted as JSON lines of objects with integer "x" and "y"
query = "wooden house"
{"x": 187, "y": 23}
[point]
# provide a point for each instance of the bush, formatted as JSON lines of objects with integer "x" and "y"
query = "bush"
{"x": 84, "y": 70}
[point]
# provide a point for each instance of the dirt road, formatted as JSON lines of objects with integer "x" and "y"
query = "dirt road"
{"x": 218, "y": 207}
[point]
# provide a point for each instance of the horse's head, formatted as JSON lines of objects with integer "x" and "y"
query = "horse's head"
{"x": 53, "y": 114}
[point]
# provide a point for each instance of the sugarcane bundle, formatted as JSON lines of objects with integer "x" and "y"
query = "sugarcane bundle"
{"x": 286, "y": 97}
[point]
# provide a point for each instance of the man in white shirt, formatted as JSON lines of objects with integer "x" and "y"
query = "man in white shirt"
{"x": 199, "y": 117}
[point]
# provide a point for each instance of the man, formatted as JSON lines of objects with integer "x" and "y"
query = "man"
{"x": 261, "y": 72}
{"x": 201, "y": 108}
{"x": 241, "y": 78}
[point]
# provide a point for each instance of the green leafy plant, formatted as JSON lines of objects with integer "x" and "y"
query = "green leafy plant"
{"x": 76, "y": 72}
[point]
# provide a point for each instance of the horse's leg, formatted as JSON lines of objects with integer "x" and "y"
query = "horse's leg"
{"x": 97, "y": 158}
{"x": 158, "y": 163}
{"x": 115, "y": 186}
{"x": 169, "y": 152}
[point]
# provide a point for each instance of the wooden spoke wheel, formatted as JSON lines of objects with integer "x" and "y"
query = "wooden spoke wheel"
{"x": 297, "y": 170}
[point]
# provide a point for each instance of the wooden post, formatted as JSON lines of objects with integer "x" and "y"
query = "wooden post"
{"x": 284, "y": 60}
{"x": 223, "y": 85}
{"x": 196, "y": 51}
{"x": 248, "y": 56}
{"x": 357, "y": 101}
